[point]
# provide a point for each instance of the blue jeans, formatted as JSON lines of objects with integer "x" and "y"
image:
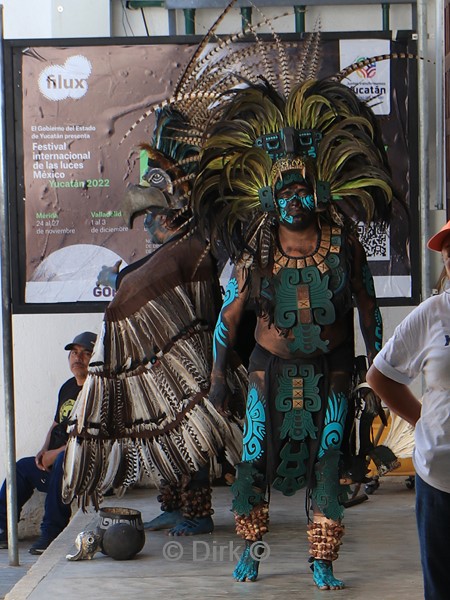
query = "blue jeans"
{"x": 433, "y": 523}
{"x": 30, "y": 478}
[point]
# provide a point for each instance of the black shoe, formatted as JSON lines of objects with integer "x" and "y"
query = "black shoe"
{"x": 3, "y": 540}
{"x": 41, "y": 544}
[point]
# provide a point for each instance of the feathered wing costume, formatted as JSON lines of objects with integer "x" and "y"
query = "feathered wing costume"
{"x": 144, "y": 405}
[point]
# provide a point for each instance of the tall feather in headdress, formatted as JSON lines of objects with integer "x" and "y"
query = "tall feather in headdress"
{"x": 221, "y": 63}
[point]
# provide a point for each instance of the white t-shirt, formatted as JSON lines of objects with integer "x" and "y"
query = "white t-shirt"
{"x": 421, "y": 344}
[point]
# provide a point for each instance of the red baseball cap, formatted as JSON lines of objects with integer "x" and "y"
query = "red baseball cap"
{"x": 435, "y": 242}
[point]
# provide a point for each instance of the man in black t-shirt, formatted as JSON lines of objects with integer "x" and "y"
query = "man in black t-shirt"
{"x": 44, "y": 471}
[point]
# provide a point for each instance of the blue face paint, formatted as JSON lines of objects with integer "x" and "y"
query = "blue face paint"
{"x": 306, "y": 202}
{"x": 150, "y": 224}
{"x": 155, "y": 230}
{"x": 282, "y": 204}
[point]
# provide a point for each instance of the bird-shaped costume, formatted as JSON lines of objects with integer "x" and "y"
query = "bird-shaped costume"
{"x": 144, "y": 406}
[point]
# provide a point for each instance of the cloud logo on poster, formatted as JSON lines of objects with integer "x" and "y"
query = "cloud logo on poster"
{"x": 59, "y": 82}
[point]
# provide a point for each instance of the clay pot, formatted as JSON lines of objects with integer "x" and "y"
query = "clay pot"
{"x": 121, "y": 541}
{"x": 121, "y": 531}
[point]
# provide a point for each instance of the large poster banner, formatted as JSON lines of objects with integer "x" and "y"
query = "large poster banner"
{"x": 388, "y": 251}
{"x": 77, "y": 105}
{"x": 78, "y": 102}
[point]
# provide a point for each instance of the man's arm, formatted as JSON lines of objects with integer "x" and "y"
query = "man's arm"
{"x": 363, "y": 289}
{"x": 397, "y": 396}
{"x": 50, "y": 456}
{"x": 225, "y": 337}
{"x": 43, "y": 457}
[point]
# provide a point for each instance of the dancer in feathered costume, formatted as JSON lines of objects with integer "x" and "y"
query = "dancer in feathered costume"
{"x": 144, "y": 405}
{"x": 303, "y": 164}
{"x": 301, "y": 167}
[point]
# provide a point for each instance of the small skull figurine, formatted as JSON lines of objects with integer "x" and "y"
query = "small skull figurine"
{"x": 87, "y": 544}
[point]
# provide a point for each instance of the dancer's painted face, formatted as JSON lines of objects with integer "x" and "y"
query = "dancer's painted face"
{"x": 296, "y": 205}
{"x": 154, "y": 225}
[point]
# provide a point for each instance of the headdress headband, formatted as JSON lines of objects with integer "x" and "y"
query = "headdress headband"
{"x": 290, "y": 140}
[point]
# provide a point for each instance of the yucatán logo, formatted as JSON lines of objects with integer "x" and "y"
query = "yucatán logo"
{"x": 59, "y": 82}
{"x": 367, "y": 71}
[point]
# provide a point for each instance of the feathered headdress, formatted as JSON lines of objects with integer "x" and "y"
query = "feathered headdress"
{"x": 320, "y": 130}
{"x": 182, "y": 120}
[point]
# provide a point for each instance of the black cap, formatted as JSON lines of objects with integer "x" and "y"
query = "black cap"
{"x": 85, "y": 339}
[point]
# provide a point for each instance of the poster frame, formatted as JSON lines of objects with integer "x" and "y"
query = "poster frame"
{"x": 15, "y": 155}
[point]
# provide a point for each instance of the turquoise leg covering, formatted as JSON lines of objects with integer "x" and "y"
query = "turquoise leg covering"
{"x": 248, "y": 565}
{"x": 323, "y": 576}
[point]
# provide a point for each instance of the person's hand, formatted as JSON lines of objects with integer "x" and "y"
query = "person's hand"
{"x": 219, "y": 394}
{"x": 38, "y": 460}
{"x": 47, "y": 458}
{"x": 108, "y": 275}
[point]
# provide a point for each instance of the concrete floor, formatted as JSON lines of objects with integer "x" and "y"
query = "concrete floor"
{"x": 9, "y": 576}
{"x": 379, "y": 557}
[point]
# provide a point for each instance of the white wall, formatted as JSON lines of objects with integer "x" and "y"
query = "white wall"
{"x": 40, "y": 362}
{"x": 40, "y": 367}
{"x": 131, "y": 23}
{"x": 25, "y": 19}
